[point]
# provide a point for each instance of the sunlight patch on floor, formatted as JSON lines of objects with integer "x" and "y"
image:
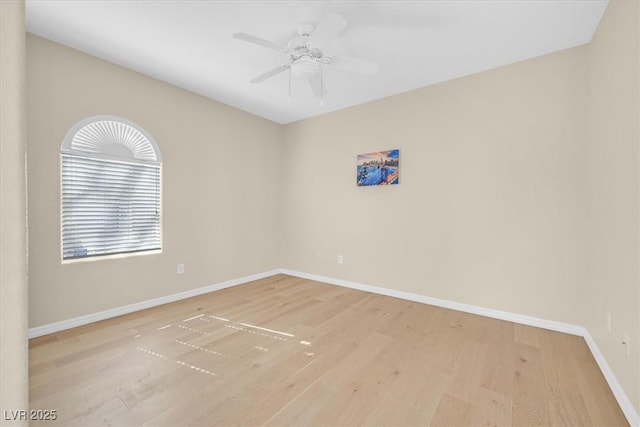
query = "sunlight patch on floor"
{"x": 153, "y": 353}
{"x": 197, "y": 347}
{"x": 194, "y": 317}
{"x": 286, "y": 334}
{"x": 238, "y": 328}
{"x": 195, "y": 368}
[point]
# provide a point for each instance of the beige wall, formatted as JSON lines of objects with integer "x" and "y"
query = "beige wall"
{"x": 221, "y": 175}
{"x": 614, "y": 191}
{"x": 13, "y": 251}
{"x": 491, "y": 196}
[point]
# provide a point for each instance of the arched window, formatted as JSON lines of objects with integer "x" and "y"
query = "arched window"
{"x": 111, "y": 189}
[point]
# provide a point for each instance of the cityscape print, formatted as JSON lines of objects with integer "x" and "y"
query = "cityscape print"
{"x": 380, "y": 168}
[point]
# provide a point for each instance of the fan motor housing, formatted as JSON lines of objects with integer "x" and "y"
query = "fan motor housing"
{"x": 305, "y": 68}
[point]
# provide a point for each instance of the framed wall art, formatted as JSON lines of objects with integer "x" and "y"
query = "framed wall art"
{"x": 380, "y": 168}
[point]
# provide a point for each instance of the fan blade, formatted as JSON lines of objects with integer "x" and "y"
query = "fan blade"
{"x": 257, "y": 40}
{"x": 269, "y": 74}
{"x": 317, "y": 85}
{"x": 330, "y": 26}
{"x": 357, "y": 65}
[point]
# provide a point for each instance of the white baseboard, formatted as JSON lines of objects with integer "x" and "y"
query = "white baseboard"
{"x": 622, "y": 398}
{"x": 118, "y": 311}
{"x": 624, "y": 402}
{"x": 467, "y": 308}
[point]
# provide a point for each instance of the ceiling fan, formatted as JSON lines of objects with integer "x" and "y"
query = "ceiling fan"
{"x": 306, "y": 54}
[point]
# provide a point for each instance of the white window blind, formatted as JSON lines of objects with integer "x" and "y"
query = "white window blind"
{"x": 110, "y": 204}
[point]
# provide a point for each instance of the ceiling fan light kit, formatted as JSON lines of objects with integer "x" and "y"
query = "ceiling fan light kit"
{"x": 306, "y": 56}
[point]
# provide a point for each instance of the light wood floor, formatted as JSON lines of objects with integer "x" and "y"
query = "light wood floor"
{"x": 288, "y": 351}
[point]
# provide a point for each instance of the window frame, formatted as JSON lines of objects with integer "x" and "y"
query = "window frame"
{"x": 146, "y": 153}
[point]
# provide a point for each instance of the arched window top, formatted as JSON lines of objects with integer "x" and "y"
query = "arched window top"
{"x": 113, "y": 137}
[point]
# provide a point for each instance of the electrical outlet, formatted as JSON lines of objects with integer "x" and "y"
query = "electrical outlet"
{"x": 625, "y": 341}
{"x": 609, "y": 322}
{"x": 180, "y": 268}
{"x": 340, "y": 259}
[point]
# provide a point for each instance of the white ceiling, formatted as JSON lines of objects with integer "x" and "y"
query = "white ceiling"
{"x": 416, "y": 43}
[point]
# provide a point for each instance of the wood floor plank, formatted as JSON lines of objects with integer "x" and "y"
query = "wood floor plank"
{"x": 411, "y": 399}
{"x": 595, "y": 391}
{"x": 529, "y": 400}
{"x": 497, "y": 371}
{"x": 490, "y": 409}
{"x": 466, "y": 375}
{"x": 291, "y": 351}
{"x": 525, "y": 334}
{"x": 358, "y": 388}
{"x": 451, "y": 412}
